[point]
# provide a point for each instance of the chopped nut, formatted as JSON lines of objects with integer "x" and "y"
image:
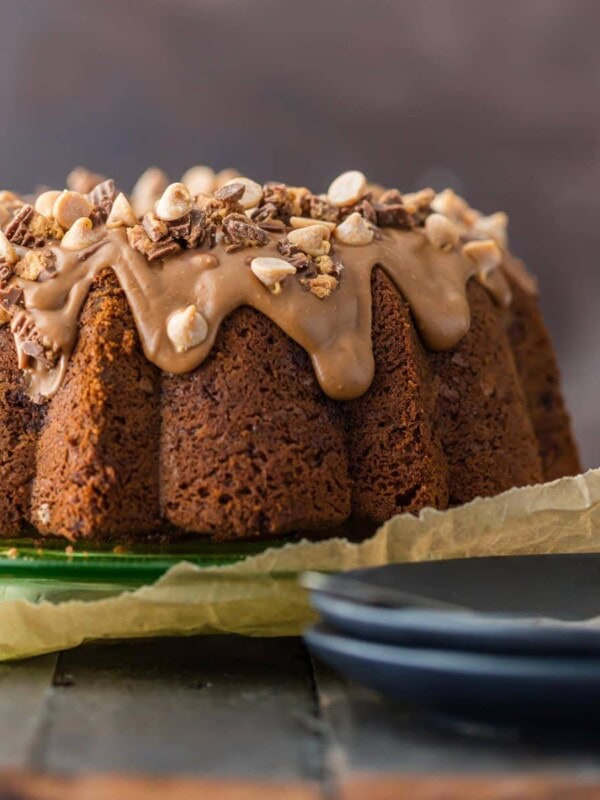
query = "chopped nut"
{"x": 494, "y": 226}
{"x": 149, "y": 187}
{"x": 36, "y": 264}
{"x": 239, "y": 232}
{"x": 252, "y": 194}
{"x": 187, "y": 328}
{"x": 321, "y": 286}
{"x": 69, "y": 207}
{"x": 441, "y": 232}
{"x": 154, "y": 227}
{"x": 313, "y": 240}
{"x": 347, "y": 188}
{"x": 450, "y": 204}
{"x": 174, "y": 203}
{"x": 271, "y": 271}
{"x": 354, "y": 231}
{"x": 8, "y": 254}
{"x": 485, "y": 253}
{"x": 121, "y": 213}
{"x": 82, "y": 180}
{"x": 199, "y": 180}
{"x": 419, "y": 203}
{"x": 81, "y": 234}
{"x": 45, "y": 202}
{"x": 306, "y": 222}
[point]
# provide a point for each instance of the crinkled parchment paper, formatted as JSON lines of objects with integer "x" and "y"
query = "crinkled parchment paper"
{"x": 260, "y": 596}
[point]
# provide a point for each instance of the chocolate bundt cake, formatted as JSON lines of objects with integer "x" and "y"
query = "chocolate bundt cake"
{"x": 236, "y": 360}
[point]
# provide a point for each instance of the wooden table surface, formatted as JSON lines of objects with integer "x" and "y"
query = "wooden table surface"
{"x": 235, "y": 718}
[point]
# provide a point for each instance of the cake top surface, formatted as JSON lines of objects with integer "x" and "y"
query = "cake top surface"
{"x": 188, "y": 253}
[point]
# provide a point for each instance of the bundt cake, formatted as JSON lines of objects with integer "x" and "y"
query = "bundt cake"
{"x": 235, "y": 360}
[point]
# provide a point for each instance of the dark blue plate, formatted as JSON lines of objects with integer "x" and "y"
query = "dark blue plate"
{"x": 477, "y": 686}
{"x": 524, "y": 604}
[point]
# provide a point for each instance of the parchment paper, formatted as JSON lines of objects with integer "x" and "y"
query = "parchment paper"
{"x": 260, "y": 596}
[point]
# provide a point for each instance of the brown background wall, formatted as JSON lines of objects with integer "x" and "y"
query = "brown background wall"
{"x": 500, "y": 98}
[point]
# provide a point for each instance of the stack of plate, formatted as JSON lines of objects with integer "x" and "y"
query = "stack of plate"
{"x": 503, "y": 639}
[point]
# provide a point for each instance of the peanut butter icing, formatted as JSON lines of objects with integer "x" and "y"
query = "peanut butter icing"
{"x": 329, "y": 315}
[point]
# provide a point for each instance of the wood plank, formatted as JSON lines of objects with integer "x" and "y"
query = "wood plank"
{"x": 25, "y": 689}
{"x": 225, "y": 706}
{"x": 491, "y": 787}
{"x": 105, "y": 787}
{"x": 367, "y": 734}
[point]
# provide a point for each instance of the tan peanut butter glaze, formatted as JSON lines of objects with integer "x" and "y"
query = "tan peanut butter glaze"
{"x": 335, "y": 331}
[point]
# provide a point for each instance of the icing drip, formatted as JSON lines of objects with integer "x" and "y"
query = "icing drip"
{"x": 335, "y": 331}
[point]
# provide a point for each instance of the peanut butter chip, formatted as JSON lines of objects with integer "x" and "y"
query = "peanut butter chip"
{"x": 45, "y": 202}
{"x": 313, "y": 240}
{"x": 149, "y": 187}
{"x": 347, "y": 188}
{"x": 199, "y": 180}
{"x": 252, "y": 192}
{"x": 441, "y": 232}
{"x": 186, "y": 328}
{"x": 69, "y": 207}
{"x": 271, "y": 271}
{"x": 121, "y": 213}
{"x": 81, "y": 234}
{"x": 354, "y": 230}
{"x": 174, "y": 203}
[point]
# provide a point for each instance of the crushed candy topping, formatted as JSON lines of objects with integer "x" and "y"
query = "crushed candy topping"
{"x": 306, "y": 237}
